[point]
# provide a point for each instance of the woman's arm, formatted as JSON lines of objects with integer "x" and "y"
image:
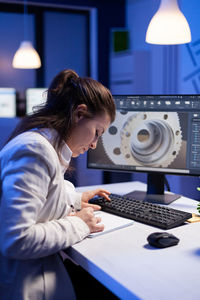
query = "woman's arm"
{"x": 26, "y": 174}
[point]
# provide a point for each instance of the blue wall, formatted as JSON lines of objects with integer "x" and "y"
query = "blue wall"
{"x": 7, "y": 125}
{"x": 173, "y": 69}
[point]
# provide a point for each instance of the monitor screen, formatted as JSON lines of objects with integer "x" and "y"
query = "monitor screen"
{"x": 35, "y": 97}
{"x": 7, "y": 102}
{"x": 156, "y": 134}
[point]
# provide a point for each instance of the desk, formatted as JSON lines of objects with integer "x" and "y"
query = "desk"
{"x": 124, "y": 262}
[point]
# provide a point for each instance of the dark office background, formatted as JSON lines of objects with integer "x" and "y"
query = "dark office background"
{"x": 65, "y": 36}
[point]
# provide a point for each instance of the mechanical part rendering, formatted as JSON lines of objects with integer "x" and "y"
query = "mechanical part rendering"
{"x": 146, "y": 139}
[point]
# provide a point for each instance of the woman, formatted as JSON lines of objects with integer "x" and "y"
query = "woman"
{"x": 36, "y": 219}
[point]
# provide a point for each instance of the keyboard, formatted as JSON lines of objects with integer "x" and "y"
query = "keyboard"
{"x": 144, "y": 212}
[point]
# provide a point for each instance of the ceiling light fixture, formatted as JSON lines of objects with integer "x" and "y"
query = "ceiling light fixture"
{"x": 168, "y": 26}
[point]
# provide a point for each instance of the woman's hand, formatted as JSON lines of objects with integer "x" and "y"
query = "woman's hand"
{"x": 86, "y": 196}
{"x": 87, "y": 210}
{"x": 87, "y": 215}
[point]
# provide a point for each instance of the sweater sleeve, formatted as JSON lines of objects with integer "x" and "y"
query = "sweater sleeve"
{"x": 74, "y": 197}
{"x": 26, "y": 176}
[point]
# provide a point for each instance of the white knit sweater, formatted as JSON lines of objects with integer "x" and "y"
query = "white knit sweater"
{"x": 34, "y": 221}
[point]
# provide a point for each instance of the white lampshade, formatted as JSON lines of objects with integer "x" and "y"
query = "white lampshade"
{"x": 26, "y": 57}
{"x": 168, "y": 26}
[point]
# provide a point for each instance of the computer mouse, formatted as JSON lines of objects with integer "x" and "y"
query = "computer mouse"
{"x": 162, "y": 239}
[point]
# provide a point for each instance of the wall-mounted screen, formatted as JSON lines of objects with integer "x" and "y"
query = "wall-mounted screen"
{"x": 7, "y": 102}
{"x": 35, "y": 97}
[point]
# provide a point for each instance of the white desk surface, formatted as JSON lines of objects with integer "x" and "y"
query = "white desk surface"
{"x": 124, "y": 262}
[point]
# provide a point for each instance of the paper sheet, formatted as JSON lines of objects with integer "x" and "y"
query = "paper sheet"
{"x": 111, "y": 223}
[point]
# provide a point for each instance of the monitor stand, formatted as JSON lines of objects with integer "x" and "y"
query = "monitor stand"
{"x": 155, "y": 191}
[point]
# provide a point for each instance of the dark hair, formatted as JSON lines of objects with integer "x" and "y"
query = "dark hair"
{"x": 65, "y": 93}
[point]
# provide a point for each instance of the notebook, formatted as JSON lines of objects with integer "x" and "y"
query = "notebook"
{"x": 111, "y": 222}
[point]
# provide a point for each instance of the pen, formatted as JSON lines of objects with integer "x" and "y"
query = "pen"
{"x": 72, "y": 209}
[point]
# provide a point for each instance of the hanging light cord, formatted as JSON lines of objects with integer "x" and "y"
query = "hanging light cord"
{"x": 25, "y": 20}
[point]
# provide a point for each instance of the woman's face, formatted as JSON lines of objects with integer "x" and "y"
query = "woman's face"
{"x": 86, "y": 132}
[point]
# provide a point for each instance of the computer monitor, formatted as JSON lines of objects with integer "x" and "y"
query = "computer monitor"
{"x": 155, "y": 134}
{"x": 35, "y": 97}
{"x": 7, "y": 102}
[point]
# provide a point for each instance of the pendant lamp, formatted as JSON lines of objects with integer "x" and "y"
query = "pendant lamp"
{"x": 26, "y": 57}
{"x": 168, "y": 26}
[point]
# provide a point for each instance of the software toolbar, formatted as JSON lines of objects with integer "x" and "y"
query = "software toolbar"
{"x": 195, "y": 142}
{"x": 158, "y": 102}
